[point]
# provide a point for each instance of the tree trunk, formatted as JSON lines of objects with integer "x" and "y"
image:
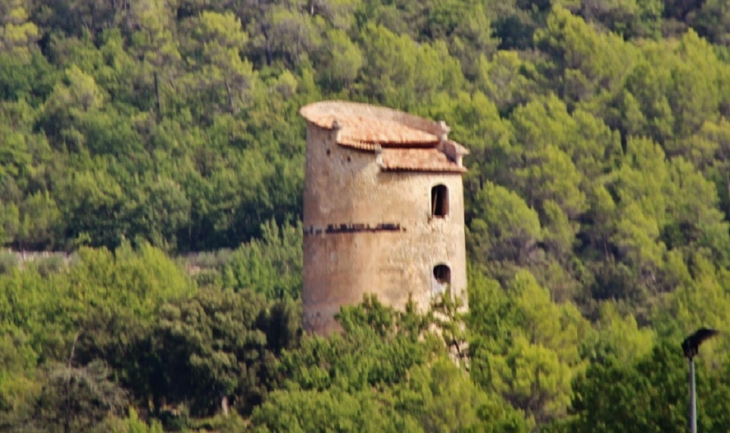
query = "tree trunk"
{"x": 157, "y": 97}
{"x": 224, "y": 405}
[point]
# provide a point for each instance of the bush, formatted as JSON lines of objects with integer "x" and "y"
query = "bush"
{"x": 51, "y": 264}
{"x": 8, "y": 261}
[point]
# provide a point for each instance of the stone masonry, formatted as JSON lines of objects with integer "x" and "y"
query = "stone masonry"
{"x": 383, "y": 210}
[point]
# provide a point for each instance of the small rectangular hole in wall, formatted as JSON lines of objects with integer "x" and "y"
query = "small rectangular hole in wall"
{"x": 439, "y": 201}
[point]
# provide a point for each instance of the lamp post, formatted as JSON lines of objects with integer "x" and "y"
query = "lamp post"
{"x": 692, "y": 397}
{"x": 691, "y": 346}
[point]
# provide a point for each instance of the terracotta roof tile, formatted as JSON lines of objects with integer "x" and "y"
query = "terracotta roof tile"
{"x": 375, "y": 131}
{"x": 418, "y": 160}
{"x": 365, "y": 123}
{"x": 407, "y": 142}
{"x": 356, "y": 144}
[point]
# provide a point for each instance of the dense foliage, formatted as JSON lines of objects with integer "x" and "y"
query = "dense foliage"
{"x": 156, "y": 144}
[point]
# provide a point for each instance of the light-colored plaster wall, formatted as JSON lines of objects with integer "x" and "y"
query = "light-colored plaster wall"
{"x": 346, "y": 186}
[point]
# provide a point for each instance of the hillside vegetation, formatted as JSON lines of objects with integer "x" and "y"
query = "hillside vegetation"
{"x": 136, "y": 132}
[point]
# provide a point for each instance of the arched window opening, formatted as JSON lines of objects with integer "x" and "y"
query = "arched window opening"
{"x": 439, "y": 201}
{"x": 441, "y": 279}
{"x": 442, "y": 273}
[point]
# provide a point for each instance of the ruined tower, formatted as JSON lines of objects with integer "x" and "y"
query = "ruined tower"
{"x": 383, "y": 210}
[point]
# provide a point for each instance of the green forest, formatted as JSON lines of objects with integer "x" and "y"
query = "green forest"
{"x": 152, "y": 159}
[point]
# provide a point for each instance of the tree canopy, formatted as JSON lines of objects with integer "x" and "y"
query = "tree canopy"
{"x": 151, "y": 180}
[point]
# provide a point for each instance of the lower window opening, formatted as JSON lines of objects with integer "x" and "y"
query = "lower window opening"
{"x": 442, "y": 273}
{"x": 442, "y": 278}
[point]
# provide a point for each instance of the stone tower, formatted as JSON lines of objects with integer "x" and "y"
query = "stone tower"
{"x": 383, "y": 210}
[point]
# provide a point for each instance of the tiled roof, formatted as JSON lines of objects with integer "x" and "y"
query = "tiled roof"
{"x": 373, "y": 145}
{"x": 362, "y": 129}
{"x": 356, "y": 144}
{"x": 364, "y": 123}
{"x": 418, "y": 160}
{"x": 407, "y": 142}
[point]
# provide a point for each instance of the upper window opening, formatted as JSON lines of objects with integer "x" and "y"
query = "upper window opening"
{"x": 439, "y": 201}
{"x": 442, "y": 274}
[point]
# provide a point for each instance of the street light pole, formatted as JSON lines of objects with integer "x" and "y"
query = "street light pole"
{"x": 692, "y": 397}
{"x": 691, "y": 347}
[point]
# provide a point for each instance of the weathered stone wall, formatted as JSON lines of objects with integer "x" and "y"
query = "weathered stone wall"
{"x": 369, "y": 231}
